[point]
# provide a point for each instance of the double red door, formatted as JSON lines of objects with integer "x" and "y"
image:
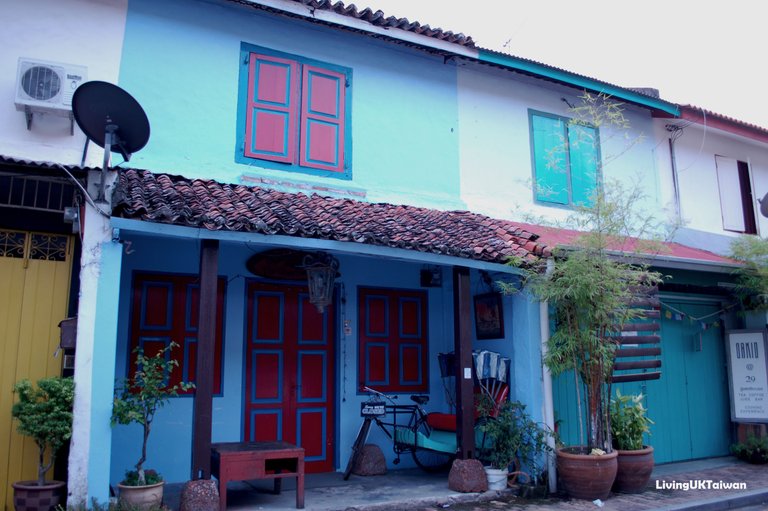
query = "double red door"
{"x": 289, "y": 388}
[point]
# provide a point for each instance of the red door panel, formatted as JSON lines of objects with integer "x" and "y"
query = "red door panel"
{"x": 290, "y": 372}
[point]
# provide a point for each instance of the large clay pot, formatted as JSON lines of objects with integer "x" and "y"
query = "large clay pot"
{"x": 142, "y": 497}
{"x": 634, "y": 470}
{"x": 586, "y": 476}
{"x": 28, "y": 496}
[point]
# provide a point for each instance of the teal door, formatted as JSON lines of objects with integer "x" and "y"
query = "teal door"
{"x": 689, "y": 403}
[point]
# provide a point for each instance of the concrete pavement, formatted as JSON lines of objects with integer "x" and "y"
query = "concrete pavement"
{"x": 706, "y": 485}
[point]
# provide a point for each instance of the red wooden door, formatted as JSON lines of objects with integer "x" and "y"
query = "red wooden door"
{"x": 289, "y": 388}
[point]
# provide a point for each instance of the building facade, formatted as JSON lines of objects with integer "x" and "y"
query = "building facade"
{"x": 286, "y": 130}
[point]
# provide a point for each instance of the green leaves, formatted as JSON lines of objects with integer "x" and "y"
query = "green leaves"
{"x": 752, "y": 277}
{"x": 629, "y": 421}
{"x": 514, "y": 437}
{"x": 139, "y": 397}
{"x": 45, "y": 414}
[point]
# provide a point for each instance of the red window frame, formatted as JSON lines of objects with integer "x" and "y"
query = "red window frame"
{"x": 393, "y": 350}
{"x": 296, "y": 113}
{"x": 165, "y": 308}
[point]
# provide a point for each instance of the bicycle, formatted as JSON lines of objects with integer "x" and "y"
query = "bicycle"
{"x": 432, "y": 450}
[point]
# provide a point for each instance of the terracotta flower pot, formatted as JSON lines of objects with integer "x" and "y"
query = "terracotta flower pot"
{"x": 634, "y": 470}
{"x": 585, "y": 476}
{"x": 142, "y": 497}
{"x": 28, "y": 496}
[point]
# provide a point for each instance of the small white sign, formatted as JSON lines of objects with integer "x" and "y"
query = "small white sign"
{"x": 748, "y": 375}
{"x": 467, "y": 373}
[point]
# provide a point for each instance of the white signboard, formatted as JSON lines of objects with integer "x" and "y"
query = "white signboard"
{"x": 748, "y": 375}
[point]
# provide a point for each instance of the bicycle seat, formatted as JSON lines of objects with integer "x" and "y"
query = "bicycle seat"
{"x": 420, "y": 399}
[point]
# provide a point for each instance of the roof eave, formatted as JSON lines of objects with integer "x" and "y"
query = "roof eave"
{"x": 339, "y": 247}
{"x": 670, "y": 262}
{"x": 712, "y": 120}
{"x": 574, "y": 80}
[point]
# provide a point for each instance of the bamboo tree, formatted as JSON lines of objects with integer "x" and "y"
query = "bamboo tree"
{"x": 592, "y": 282}
{"x": 590, "y": 288}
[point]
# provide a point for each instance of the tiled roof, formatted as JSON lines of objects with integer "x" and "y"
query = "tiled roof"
{"x": 668, "y": 250}
{"x": 216, "y": 206}
{"x": 379, "y": 19}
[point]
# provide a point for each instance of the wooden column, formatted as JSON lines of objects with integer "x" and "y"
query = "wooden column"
{"x": 206, "y": 334}
{"x": 465, "y": 399}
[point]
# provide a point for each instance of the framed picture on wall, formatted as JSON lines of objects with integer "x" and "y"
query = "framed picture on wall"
{"x": 489, "y": 316}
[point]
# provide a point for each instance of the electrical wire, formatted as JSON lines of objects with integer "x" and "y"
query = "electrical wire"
{"x": 88, "y": 198}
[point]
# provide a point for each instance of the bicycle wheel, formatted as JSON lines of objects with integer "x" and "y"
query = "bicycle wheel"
{"x": 357, "y": 446}
{"x": 430, "y": 460}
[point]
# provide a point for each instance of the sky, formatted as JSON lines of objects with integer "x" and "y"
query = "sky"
{"x": 708, "y": 54}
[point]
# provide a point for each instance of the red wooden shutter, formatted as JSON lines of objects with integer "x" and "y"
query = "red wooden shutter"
{"x": 272, "y": 114}
{"x": 166, "y": 308}
{"x": 322, "y": 119}
{"x": 393, "y": 341}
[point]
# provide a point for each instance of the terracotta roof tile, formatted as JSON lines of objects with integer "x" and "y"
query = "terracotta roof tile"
{"x": 217, "y": 206}
{"x": 379, "y": 19}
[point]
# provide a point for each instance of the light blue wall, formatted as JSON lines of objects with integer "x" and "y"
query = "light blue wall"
{"x": 106, "y": 328}
{"x": 171, "y": 440}
{"x": 181, "y": 62}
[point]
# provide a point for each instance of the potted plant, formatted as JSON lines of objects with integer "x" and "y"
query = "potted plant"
{"x": 137, "y": 400}
{"x": 590, "y": 287}
{"x": 512, "y": 439}
{"x": 754, "y": 450}
{"x": 44, "y": 414}
{"x": 629, "y": 423}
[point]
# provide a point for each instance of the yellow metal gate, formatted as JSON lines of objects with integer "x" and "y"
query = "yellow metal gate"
{"x": 35, "y": 274}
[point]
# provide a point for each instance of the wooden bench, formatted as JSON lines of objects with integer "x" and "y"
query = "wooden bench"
{"x": 242, "y": 461}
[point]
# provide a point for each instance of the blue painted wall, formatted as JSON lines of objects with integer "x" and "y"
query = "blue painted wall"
{"x": 171, "y": 440}
{"x": 181, "y": 62}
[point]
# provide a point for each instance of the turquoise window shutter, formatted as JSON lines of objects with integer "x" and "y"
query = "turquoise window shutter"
{"x": 550, "y": 159}
{"x": 582, "y": 143}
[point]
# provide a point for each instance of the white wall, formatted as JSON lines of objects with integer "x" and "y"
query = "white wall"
{"x": 695, "y": 154}
{"x": 495, "y": 151}
{"x": 82, "y": 32}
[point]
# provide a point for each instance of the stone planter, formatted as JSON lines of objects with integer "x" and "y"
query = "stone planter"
{"x": 28, "y": 496}
{"x": 634, "y": 470}
{"x": 584, "y": 476}
{"x": 142, "y": 497}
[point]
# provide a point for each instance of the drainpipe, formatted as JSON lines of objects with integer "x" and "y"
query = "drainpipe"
{"x": 549, "y": 408}
{"x": 676, "y": 131}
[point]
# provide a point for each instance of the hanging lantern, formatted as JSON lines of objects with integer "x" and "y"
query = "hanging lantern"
{"x": 322, "y": 270}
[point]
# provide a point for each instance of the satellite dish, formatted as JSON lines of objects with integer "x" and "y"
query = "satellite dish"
{"x": 112, "y": 119}
{"x": 764, "y": 205}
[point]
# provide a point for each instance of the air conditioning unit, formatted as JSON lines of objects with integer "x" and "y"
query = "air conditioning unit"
{"x": 47, "y": 86}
